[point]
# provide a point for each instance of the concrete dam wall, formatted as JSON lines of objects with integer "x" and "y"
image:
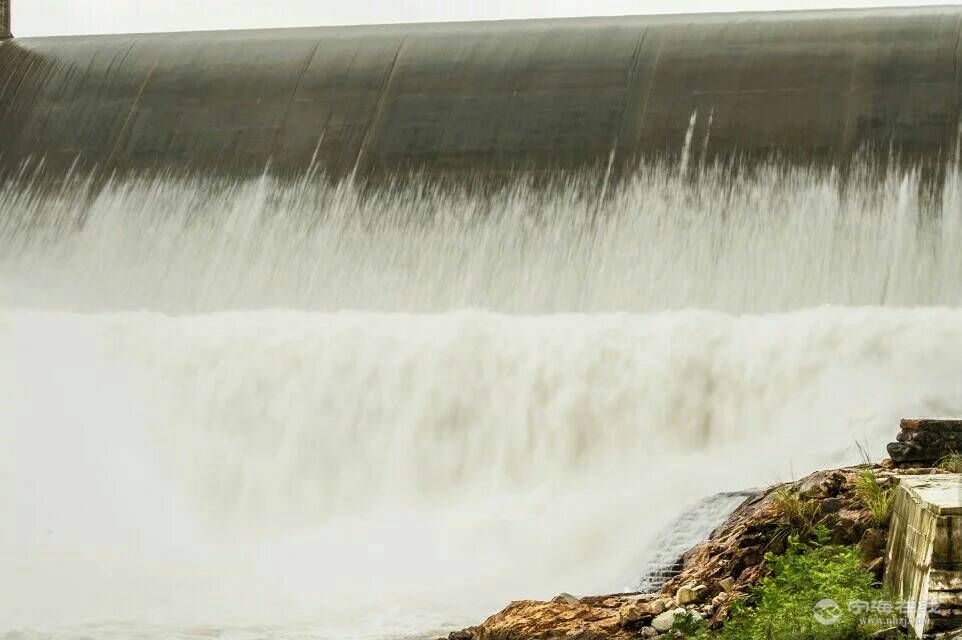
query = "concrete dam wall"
{"x": 481, "y": 98}
{"x": 5, "y": 19}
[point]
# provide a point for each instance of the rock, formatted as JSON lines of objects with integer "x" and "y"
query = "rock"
{"x": 877, "y": 568}
{"x": 719, "y": 600}
{"x": 634, "y": 614}
{"x": 926, "y": 441}
{"x": 721, "y": 614}
{"x": 752, "y": 556}
{"x": 665, "y": 621}
{"x": 534, "y": 619}
{"x": 632, "y": 597}
{"x": 820, "y": 485}
{"x": 641, "y": 612}
{"x": 566, "y": 598}
{"x": 829, "y": 506}
{"x": 690, "y": 594}
{"x": 872, "y": 545}
{"x": 851, "y": 526}
{"x": 727, "y": 585}
{"x": 648, "y": 633}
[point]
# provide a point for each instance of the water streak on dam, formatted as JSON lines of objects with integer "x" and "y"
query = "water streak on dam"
{"x": 488, "y": 98}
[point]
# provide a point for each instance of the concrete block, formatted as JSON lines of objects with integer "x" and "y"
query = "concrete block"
{"x": 924, "y": 554}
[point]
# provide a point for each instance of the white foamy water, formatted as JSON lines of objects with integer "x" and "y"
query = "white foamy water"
{"x": 771, "y": 243}
{"x": 265, "y": 411}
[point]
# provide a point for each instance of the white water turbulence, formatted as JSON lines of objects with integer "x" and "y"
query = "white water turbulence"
{"x": 266, "y": 410}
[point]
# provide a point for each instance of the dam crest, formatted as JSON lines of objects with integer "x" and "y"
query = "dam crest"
{"x": 492, "y": 100}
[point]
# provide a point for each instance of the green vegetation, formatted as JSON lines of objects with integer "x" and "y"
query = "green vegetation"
{"x": 877, "y": 500}
{"x": 797, "y": 517}
{"x": 809, "y": 572}
{"x": 951, "y": 463}
{"x": 688, "y": 627}
{"x": 783, "y": 605}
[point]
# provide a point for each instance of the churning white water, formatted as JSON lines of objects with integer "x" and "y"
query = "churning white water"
{"x": 296, "y": 411}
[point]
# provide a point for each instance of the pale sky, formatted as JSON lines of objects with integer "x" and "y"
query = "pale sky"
{"x": 62, "y": 17}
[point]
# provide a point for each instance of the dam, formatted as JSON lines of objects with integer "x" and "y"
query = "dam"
{"x": 244, "y": 396}
{"x": 5, "y": 19}
{"x": 488, "y": 98}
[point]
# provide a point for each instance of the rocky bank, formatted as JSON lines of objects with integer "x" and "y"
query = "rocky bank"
{"x": 726, "y": 566}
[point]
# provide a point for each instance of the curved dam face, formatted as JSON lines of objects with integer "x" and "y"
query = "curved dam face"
{"x": 487, "y": 98}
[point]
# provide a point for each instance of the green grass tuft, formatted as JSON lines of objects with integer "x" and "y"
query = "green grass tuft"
{"x": 797, "y": 517}
{"x": 877, "y": 499}
{"x": 951, "y": 463}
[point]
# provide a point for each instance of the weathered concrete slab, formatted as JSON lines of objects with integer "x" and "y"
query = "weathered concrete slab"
{"x": 924, "y": 555}
{"x": 489, "y": 98}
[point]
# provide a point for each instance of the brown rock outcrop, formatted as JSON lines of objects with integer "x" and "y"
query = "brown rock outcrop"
{"x": 532, "y": 620}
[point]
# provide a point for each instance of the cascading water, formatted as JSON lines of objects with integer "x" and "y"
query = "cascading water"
{"x": 293, "y": 410}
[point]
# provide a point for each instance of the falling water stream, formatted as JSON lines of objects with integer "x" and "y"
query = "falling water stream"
{"x": 296, "y": 410}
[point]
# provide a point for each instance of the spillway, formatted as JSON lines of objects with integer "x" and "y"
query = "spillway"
{"x": 238, "y": 400}
{"x": 495, "y": 98}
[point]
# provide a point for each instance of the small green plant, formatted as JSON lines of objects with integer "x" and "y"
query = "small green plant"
{"x": 951, "y": 463}
{"x": 797, "y": 516}
{"x": 874, "y": 497}
{"x": 689, "y": 627}
{"x": 784, "y": 606}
